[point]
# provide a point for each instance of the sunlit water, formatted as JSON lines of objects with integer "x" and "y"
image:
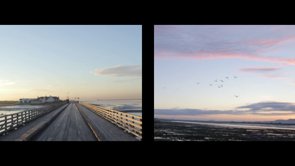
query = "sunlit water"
{"x": 244, "y": 125}
{"x": 6, "y": 110}
{"x": 130, "y": 106}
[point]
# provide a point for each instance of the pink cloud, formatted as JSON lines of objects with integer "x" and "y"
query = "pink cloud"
{"x": 278, "y": 77}
{"x": 271, "y": 42}
{"x": 266, "y": 72}
{"x": 201, "y": 55}
{"x": 259, "y": 69}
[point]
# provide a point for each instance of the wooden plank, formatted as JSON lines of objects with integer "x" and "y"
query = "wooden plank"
{"x": 19, "y": 133}
{"x": 120, "y": 115}
{"x": 106, "y": 130}
{"x": 123, "y": 120}
{"x": 13, "y": 121}
{"x": 68, "y": 126}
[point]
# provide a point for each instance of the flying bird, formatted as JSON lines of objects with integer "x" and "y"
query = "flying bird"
{"x": 215, "y": 80}
{"x": 235, "y": 77}
{"x": 221, "y": 80}
{"x": 198, "y": 83}
{"x": 226, "y": 77}
{"x": 210, "y": 84}
{"x": 236, "y": 96}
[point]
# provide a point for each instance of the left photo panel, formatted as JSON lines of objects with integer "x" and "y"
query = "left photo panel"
{"x": 70, "y": 82}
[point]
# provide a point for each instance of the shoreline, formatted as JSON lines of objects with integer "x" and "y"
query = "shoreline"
{"x": 246, "y": 126}
{"x": 173, "y": 131}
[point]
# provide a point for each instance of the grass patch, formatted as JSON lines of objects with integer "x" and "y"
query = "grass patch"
{"x": 5, "y": 103}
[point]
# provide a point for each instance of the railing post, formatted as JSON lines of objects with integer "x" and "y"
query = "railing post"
{"x": 5, "y": 124}
{"x": 27, "y": 115}
{"x": 17, "y": 119}
{"x": 22, "y": 117}
{"x": 12, "y": 121}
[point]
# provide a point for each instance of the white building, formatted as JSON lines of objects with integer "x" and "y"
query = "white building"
{"x": 25, "y": 100}
{"x": 39, "y": 100}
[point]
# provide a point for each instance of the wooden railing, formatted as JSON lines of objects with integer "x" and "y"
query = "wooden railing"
{"x": 129, "y": 122}
{"x": 13, "y": 121}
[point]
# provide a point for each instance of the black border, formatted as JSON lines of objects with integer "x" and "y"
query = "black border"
{"x": 156, "y": 149}
{"x": 148, "y": 82}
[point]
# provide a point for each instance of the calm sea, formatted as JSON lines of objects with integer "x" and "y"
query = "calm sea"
{"x": 130, "y": 106}
{"x": 5, "y": 110}
{"x": 244, "y": 125}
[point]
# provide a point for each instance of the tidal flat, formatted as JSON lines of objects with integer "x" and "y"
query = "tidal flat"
{"x": 178, "y": 131}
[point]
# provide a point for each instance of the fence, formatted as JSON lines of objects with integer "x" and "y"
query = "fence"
{"x": 13, "y": 121}
{"x": 129, "y": 122}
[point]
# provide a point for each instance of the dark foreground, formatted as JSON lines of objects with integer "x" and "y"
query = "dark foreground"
{"x": 174, "y": 131}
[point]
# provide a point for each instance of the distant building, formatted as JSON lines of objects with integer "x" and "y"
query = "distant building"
{"x": 49, "y": 99}
{"x": 25, "y": 101}
{"x": 39, "y": 100}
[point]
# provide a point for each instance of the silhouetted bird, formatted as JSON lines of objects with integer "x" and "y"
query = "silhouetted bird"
{"x": 236, "y": 96}
{"x": 235, "y": 77}
{"x": 226, "y": 77}
{"x": 221, "y": 80}
{"x": 210, "y": 84}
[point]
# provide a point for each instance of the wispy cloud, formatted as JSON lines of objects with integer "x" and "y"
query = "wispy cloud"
{"x": 271, "y": 42}
{"x": 230, "y": 39}
{"x": 222, "y": 42}
{"x": 267, "y": 72}
{"x": 120, "y": 71}
{"x": 180, "y": 111}
{"x": 6, "y": 83}
{"x": 219, "y": 55}
{"x": 269, "y": 106}
{"x": 260, "y": 69}
{"x": 262, "y": 108}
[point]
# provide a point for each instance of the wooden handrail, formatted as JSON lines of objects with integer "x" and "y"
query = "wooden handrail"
{"x": 129, "y": 122}
{"x": 13, "y": 121}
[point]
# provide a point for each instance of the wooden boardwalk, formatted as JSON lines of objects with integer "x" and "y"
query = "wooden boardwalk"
{"x": 105, "y": 130}
{"x": 68, "y": 126}
{"x": 72, "y": 122}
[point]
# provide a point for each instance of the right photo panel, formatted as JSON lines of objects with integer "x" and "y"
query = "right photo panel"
{"x": 224, "y": 83}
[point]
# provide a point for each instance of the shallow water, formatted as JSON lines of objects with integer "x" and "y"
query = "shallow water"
{"x": 244, "y": 125}
{"x": 121, "y": 105}
{"x": 5, "y": 110}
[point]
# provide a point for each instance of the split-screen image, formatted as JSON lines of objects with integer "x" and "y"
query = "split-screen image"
{"x": 85, "y": 83}
{"x": 224, "y": 83}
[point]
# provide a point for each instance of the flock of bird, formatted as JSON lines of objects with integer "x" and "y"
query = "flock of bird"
{"x": 219, "y": 83}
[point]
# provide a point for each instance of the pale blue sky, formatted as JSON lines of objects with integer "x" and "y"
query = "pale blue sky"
{"x": 262, "y": 57}
{"x": 56, "y": 59}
